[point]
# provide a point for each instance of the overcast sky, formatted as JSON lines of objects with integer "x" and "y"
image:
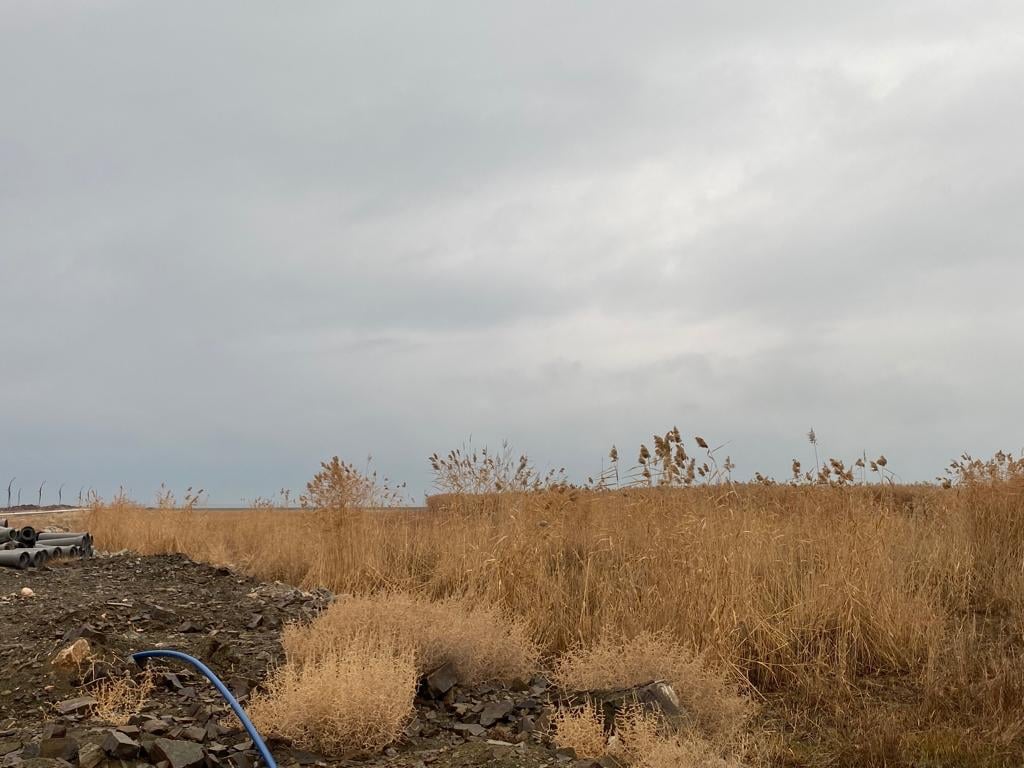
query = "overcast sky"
{"x": 238, "y": 238}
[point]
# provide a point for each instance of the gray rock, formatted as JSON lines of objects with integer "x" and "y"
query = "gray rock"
{"x": 194, "y": 733}
{"x": 90, "y": 755}
{"x": 177, "y": 753}
{"x": 660, "y": 695}
{"x": 7, "y": 747}
{"x": 62, "y": 748}
{"x": 442, "y": 680}
{"x": 76, "y": 706}
{"x": 121, "y": 745}
{"x": 473, "y": 729}
{"x": 495, "y": 711}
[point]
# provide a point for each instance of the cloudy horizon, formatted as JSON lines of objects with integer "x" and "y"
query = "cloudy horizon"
{"x": 237, "y": 239}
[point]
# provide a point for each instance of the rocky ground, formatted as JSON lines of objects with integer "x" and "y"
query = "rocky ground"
{"x": 120, "y": 604}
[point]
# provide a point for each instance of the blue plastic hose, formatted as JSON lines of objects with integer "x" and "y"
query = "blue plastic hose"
{"x": 141, "y": 656}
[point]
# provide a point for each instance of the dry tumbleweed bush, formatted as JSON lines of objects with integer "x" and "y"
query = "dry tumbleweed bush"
{"x": 582, "y": 729}
{"x": 359, "y": 696}
{"x": 641, "y": 740}
{"x": 478, "y": 640}
{"x": 118, "y": 699}
{"x": 715, "y": 707}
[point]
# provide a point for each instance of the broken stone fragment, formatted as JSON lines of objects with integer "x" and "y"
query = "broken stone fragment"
{"x": 495, "y": 711}
{"x": 194, "y": 733}
{"x": 177, "y": 753}
{"x": 121, "y": 745}
{"x": 87, "y": 631}
{"x": 62, "y": 748}
{"x": 155, "y": 726}
{"x": 44, "y": 762}
{"x": 660, "y": 695}
{"x": 473, "y": 729}
{"x": 442, "y": 680}
{"x": 90, "y": 755}
{"x": 70, "y": 657}
{"x": 76, "y": 706}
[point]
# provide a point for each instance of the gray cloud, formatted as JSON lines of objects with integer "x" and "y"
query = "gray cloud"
{"x": 238, "y": 239}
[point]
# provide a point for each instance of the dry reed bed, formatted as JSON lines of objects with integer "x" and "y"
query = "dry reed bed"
{"x": 813, "y": 592}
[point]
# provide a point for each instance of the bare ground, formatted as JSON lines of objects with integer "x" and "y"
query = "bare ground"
{"x": 124, "y": 603}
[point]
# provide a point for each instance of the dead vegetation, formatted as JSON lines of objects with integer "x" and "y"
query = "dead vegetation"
{"x": 874, "y": 624}
{"x": 479, "y": 641}
{"x": 121, "y": 697}
{"x": 356, "y": 694}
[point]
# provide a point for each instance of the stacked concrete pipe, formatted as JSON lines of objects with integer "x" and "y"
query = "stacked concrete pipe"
{"x": 25, "y": 548}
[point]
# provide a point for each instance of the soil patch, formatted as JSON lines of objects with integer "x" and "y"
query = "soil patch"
{"x": 124, "y": 603}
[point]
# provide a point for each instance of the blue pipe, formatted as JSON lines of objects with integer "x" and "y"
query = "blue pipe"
{"x": 141, "y": 656}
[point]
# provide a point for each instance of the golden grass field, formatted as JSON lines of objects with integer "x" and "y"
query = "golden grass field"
{"x": 841, "y": 625}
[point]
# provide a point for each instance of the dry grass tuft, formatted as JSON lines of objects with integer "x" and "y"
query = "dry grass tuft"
{"x": 356, "y": 697}
{"x": 715, "y": 706}
{"x": 581, "y": 729}
{"x": 642, "y": 740}
{"x": 119, "y": 699}
{"x": 480, "y": 641}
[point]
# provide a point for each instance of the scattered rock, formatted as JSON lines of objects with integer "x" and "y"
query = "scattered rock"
{"x": 44, "y": 762}
{"x": 90, "y": 755}
{"x": 656, "y": 696}
{"x": 86, "y": 631}
{"x": 27, "y": 591}
{"x": 63, "y": 748}
{"x": 177, "y": 753}
{"x": 442, "y": 680}
{"x": 473, "y": 729}
{"x": 76, "y": 706}
{"x": 662, "y": 696}
{"x": 495, "y": 711}
{"x": 121, "y": 745}
{"x": 73, "y": 655}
